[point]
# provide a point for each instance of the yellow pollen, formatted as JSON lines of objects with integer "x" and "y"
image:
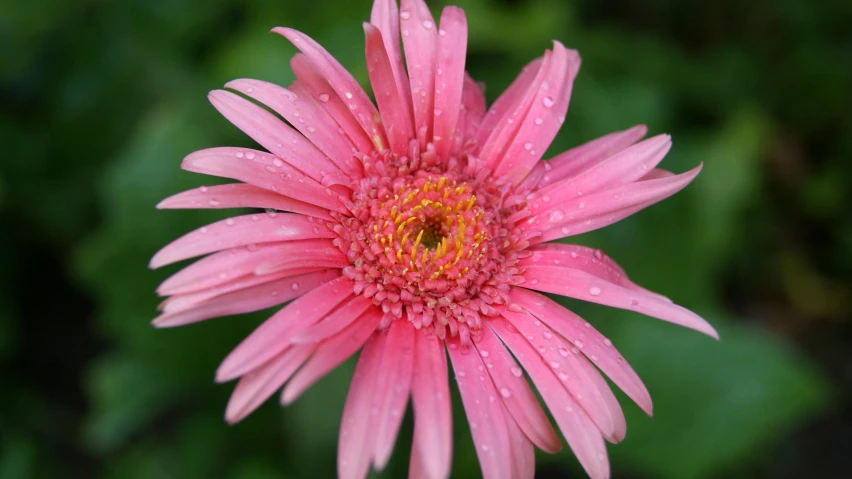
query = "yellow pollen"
{"x": 416, "y": 244}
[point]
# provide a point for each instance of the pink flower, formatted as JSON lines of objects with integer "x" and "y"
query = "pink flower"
{"x": 417, "y": 226}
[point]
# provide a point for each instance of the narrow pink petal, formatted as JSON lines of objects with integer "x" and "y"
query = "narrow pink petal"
{"x": 307, "y": 116}
{"x": 277, "y": 137}
{"x": 504, "y": 132}
{"x": 385, "y": 16}
{"x": 627, "y": 166}
{"x": 519, "y": 399}
{"x": 273, "y": 336}
{"x": 241, "y": 231}
{"x": 581, "y": 433}
{"x": 417, "y": 466}
{"x": 250, "y": 299}
{"x": 264, "y": 170}
{"x": 331, "y": 353}
{"x": 356, "y": 441}
{"x": 221, "y": 269}
{"x": 578, "y": 376}
{"x": 578, "y": 284}
{"x": 590, "y": 260}
{"x": 312, "y": 81}
{"x": 239, "y": 195}
{"x": 183, "y": 302}
{"x": 657, "y": 173}
{"x": 430, "y": 395}
{"x": 474, "y": 106}
{"x": 255, "y": 387}
{"x": 334, "y": 322}
{"x": 393, "y": 103}
{"x": 449, "y": 77}
{"x": 395, "y": 371}
{"x": 538, "y": 126}
{"x": 579, "y": 158}
{"x": 597, "y": 348}
{"x": 585, "y": 213}
{"x": 341, "y": 81}
{"x": 523, "y": 452}
{"x": 420, "y": 42}
{"x": 484, "y": 413}
{"x": 501, "y": 109}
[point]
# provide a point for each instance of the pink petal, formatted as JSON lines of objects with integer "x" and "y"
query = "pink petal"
{"x": 625, "y": 167}
{"x": 385, "y": 16}
{"x": 331, "y": 353}
{"x": 420, "y": 41}
{"x": 473, "y": 105}
{"x": 356, "y": 441}
{"x": 264, "y": 170}
{"x": 183, "y": 302}
{"x": 579, "y": 158}
{"x": 590, "y": 260}
{"x": 273, "y": 336}
{"x": 538, "y": 126}
{"x": 250, "y": 299}
{"x": 504, "y": 132}
{"x": 395, "y": 383}
{"x": 519, "y": 399}
{"x": 484, "y": 412}
{"x": 334, "y": 322}
{"x": 579, "y": 430}
{"x": 596, "y": 347}
{"x": 393, "y": 103}
{"x": 430, "y": 395}
{"x": 346, "y": 87}
{"x": 584, "y": 214}
{"x": 239, "y": 195}
{"x": 578, "y": 284}
{"x": 577, "y": 375}
{"x": 416, "y": 466}
{"x": 523, "y": 452}
{"x": 256, "y": 387}
{"x": 657, "y": 173}
{"x": 241, "y": 231}
{"x": 501, "y": 109}
{"x": 449, "y": 77}
{"x": 313, "y": 82}
{"x": 308, "y": 116}
{"x": 277, "y": 137}
{"x": 234, "y": 264}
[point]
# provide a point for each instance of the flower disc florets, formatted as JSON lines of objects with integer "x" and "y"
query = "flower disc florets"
{"x": 430, "y": 242}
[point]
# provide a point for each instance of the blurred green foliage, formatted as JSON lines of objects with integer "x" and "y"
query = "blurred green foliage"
{"x": 101, "y": 100}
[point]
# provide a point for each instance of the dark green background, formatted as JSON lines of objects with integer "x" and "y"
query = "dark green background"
{"x": 102, "y": 99}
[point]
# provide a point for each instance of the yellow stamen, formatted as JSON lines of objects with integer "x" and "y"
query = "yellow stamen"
{"x": 416, "y": 244}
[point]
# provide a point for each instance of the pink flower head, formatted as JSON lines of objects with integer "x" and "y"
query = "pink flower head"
{"x": 417, "y": 227}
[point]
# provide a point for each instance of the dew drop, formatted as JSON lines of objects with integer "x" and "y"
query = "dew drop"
{"x": 442, "y": 32}
{"x": 595, "y": 291}
{"x": 545, "y": 198}
{"x": 607, "y": 342}
{"x": 516, "y": 371}
{"x": 547, "y": 102}
{"x": 483, "y": 353}
{"x": 538, "y": 120}
{"x": 554, "y": 364}
{"x": 579, "y": 343}
{"x": 556, "y": 216}
{"x": 405, "y": 14}
{"x": 214, "y": 202}
{"x": 277, "y": 162}
{"x": 239, "y": 154}
{"x": 427, "y": 24}
{"x": 528, "y": 146}
{"x": 563, "y": 376}
{"x": 203, "y": 189}
{"x": 563, "y": 352}
{"x": 505, "y": 392}
{"x": 547, "y": 334}
{"x": 294, "y": 286}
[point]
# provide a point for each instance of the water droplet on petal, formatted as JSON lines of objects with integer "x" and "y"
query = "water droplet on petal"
{"x": 405, "y": 14}
{"x": 516, "y": 371}
{"x": 556, "y": 216}
{"x": 579, "y": 343}
{"x": 547, "y": 102}
{"x": 595, "y": 291}
{"x": 277, "y": 162}
{"x": 505, "y": 392}
{"x": 607, "y": 342}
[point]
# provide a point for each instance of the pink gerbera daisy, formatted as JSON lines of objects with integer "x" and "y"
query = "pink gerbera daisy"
{"x": 416, "y": 228}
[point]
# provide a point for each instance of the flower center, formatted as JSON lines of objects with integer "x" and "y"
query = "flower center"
{"x": 430, "y": 244}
